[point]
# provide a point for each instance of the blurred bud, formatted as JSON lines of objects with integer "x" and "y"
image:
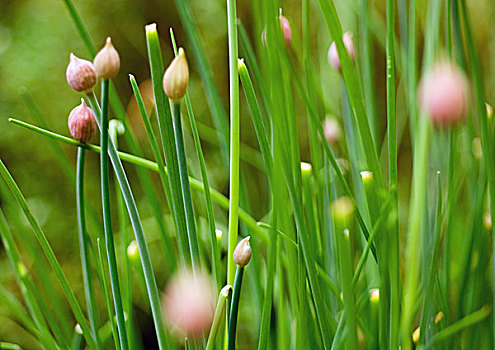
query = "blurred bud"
{"x": 477, "y": 150}
{"x": 286, "y": 31}
{"x": 176, "y": 77}
{"x": 81, "y": 74}
{"x": 189, "y": 304}
{"x": 242, "y": 253}
{"x": 21, "y": 268}
{"x": 333, "y": 55}
{"x": 438, "y": 317}
{"x": 489, "y": 111}
{"x": 332, "y": 131}
{"x": 284, "y": 24}
{"x": 342, "y": 209}
{"x": 82, "y": 122}
{"x": 78, "y": 329}
{"x": 444, "y": 94}
{"x": 306, "y": 171}
{"x": 133, "y": 251}
{"x": 416, "y": 334}
{"x": 107, "y": 61}
{"x": 374, "y": 295}
{"x": 487, "y": 221}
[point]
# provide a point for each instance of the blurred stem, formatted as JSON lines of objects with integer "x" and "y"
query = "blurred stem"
{"x": 137, "y": 226}
{"x": 186, "y": 190}
{"x": 83, "y": 245}
{"x": 234, "y": 310}
{"x": 393, "y": 261}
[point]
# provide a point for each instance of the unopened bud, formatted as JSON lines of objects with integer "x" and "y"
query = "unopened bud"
{"x": 416, "y": 335}
{"x": 81, "y": 74}
{"x": 107, "y": 61}
{"x": 438, "y": 317}
{"x": 375, "y": 295}
{"x": 82, "y": 122}
{"x": 242, "y": 253}
{"x": 489, "y": 111}
{"x": 284, "y": 24}
{"x": 333, "y": 55}
{"x": 332, "y": 131}
{"x": 286, "y": 31}
{"x": 444, "y": 94}
{"x": 176, "y": 77}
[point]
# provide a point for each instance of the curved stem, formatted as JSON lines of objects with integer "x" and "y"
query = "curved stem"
{"x": 186, "y": 190}
{"x": 234, "y": 309}
{"x": 83, "y": 245}
{"x": 219, "y": 312}
{"x": 107, "y": 219}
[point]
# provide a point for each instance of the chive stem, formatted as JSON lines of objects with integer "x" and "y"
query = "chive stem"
{"x": 234, "y": 309}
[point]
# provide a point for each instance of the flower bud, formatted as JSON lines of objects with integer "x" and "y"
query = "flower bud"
{"x": 444, "y": 94}
{"x": 81, "y": 74}
{"x": 285, "y": 25}
{"x": 333, "y": 55}
{"x": 242, "y": 253}
{"x": 332, "y": 131}
{"x": 286, "y": 31}
{"x": 107, "y": 61}
{"x": 189, "y": 304}
{"x": 82, "y": 122}
{"x": 176, "y": 77}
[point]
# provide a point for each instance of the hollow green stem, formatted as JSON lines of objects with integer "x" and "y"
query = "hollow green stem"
{"x": 83, "y": 245}
{"x": 234, "y": 309}
{"x": 219, "y": 312}
{"x": 186, "y": 190}
{"x": 137, "y": 226}
{"x": 107, "y": 219}
{"x": 234, "y": 139}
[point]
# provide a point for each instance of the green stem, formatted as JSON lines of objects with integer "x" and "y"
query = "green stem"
{"x": 234, "y": 309}
{"x": 234, "y": 139}
{"x": 83, "y": 245}
{"x": 186, "y": 190}
{"x": 137, "y": 226}
{"x": 107, "y": 219}
{"x": 219, "y": 312}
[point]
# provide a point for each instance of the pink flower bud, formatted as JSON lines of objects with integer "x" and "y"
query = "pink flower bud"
{"x": 444, "y": 94}
{"x": 333, "y": 56}
{"x": 332, "y": 131}
{"x": 285, "y": 26}
{"x": 107, "y": 61}
{"x": 81, "y": 74}
{"x": 189, "y": 304}
{"x": 82, "y": 122}
{"x": 242, "y": 253}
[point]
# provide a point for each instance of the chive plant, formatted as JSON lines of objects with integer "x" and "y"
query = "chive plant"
{"x": 351, "y": 251}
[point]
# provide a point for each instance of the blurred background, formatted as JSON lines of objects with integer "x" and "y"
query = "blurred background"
{"x": 36, "y": 38}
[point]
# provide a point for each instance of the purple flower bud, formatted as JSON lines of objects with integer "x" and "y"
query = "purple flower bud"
{"x": 332, "y": 131}
{"x": 444, "y": 94}
{"x": 286, "y": 30}
{"x": 81, "y": 74}
{"x": 333, "y": 56}
{"x": 107, "y": 61}
{"x": 82, "y": 122}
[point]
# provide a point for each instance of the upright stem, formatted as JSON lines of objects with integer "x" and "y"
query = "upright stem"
{"x": 235, "y": 306}
{"x": 83, "y": 245}
{"x": 137, "y": 226}
{"x": 234, "y": 139}
{"x": 186, "y": 190}
{"x": 107, "y": 219}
